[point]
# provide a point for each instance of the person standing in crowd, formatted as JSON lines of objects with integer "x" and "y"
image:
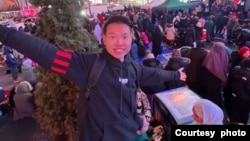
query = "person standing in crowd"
{"x": 196, "y": 55}
{"x": 12, "y": 63}
{"x": 237, "y": 96}
{"x": 248, "y": 13}
{"x": 215, "y": 68}
{"x": 189, "y": 37}
{"x": 115, "y": 91}
{"x": 199, "y": 27}
{"x": 157, "y": 39}
{"x": 209, "y": 27}
{"x": 144, "y": 38}
{"x": 170, "y": 34}
{"x": 207, "y": 112}
{"x": 98, "y": 32}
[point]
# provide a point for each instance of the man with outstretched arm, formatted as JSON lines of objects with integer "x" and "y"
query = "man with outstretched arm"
{"x": 114, "y": 92}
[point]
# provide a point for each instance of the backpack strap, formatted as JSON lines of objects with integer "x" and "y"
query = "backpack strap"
{"x": 138, "y": 72}
{"x": 95, "y": 73}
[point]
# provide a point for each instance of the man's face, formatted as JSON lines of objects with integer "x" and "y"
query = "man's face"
{"x": 117, "y": 40}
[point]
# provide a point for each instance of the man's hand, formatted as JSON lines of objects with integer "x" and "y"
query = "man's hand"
{"x": 183, "y": 75}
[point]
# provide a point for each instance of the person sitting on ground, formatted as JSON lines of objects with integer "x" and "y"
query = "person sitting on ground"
{"x": 28, "y": 71}
{"x": 207, "y": 112}
{"x": 151, "y": 61}
{"x": 23, "y": 99}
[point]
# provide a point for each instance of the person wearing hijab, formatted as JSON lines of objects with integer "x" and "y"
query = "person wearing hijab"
{"x": 207, "y": 112}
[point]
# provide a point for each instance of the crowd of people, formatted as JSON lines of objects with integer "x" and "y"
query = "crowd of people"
{"x": 209, "y": 63}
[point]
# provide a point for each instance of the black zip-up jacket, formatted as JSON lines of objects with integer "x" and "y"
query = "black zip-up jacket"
{"x": 111, "y": 106}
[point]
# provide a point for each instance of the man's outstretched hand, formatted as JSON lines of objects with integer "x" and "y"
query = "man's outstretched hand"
{"x": 183, "y": 75}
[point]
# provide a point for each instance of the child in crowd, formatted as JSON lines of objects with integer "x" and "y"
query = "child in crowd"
{"x": 145, "y": 39}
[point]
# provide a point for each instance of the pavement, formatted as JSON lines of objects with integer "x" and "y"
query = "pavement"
{"x": 26, "y": 129}
{"x": 6, "y": 81}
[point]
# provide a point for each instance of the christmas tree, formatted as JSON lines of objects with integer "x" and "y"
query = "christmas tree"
{"x": 60, "y": 23}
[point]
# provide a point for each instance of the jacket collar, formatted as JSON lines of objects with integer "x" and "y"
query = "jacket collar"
{"x": 110, "y": 58}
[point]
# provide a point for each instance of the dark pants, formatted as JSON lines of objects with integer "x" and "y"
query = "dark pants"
{"x": 14, "y": 73}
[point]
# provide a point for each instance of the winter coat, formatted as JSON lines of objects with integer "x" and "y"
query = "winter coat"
{"x": 190, "y": 36}
{"x": 23, "y": 99}
{"x": 209, "y": 25}
{"x": 111, "y": 107}
{"x": 197, "y": 55}
{"x": 157, "y": 39}
{"x": 28, "y": 74}
{"x": 11, "y": 61}
{"x": 152, "y": 62}
{"x": 176, "y": 63}
{"x": 237, "y": 94}
{"x": 144, "y": 38}
{"x": 235, "y": 59}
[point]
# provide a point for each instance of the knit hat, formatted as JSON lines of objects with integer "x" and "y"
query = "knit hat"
{"x": 243, "y": 50}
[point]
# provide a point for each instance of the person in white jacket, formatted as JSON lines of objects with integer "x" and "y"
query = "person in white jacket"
{"x": 98, "y": 33}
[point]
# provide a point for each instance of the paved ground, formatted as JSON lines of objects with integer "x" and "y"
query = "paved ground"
{"x": 5, "y": 80}
{"x": 22, "y": 130}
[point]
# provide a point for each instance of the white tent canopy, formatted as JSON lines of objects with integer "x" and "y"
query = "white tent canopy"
{"x": 152, "y": 4}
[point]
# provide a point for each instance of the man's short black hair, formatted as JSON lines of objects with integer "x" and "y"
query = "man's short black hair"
{"x": 116, "y": 19}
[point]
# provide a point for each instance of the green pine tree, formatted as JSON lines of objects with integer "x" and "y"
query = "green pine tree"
{"x": 61, "y": 25}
